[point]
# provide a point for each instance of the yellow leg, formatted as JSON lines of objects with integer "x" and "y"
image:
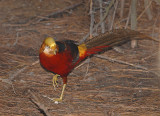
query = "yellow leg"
{"x": 55, "y": 80}
{"x": 60, "y": 99}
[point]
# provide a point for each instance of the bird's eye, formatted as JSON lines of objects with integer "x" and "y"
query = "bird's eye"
{"x": 47, "y": 47}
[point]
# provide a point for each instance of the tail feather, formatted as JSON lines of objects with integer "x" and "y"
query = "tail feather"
{"x": 114, "y": 38}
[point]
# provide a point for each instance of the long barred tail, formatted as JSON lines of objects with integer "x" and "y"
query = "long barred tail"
{"x": 114, "y": 38}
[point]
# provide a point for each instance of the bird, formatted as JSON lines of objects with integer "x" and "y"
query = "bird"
{"x": 61, "y": 57}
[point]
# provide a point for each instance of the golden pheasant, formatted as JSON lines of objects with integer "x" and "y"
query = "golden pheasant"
{"x": 60, "y": 57}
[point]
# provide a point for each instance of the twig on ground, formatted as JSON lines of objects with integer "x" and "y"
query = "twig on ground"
{"x": 154, "y": 25}
{"x": 9, "y": 82}
{"x": 60, "y": 11}
{"x": 118, "y": 49}
{"x": 12, "y": 76}
{"x": 87, "y": 66}
{"x": 6, "y": 80}
{"x": 136, "y": 88}
{"x": 40, "y": 106}
{"x": 17, "y": 34}
{"x": 145, "y": 58}
{"x": 19, "y": 25}
{"x": 126, "y": 63}
{"x": 86, "y": 61}
{"x": 121, "y": 62}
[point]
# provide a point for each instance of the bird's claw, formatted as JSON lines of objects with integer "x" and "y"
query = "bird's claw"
{"x": 56, "y": 100}
{"x": 55, "y": 84}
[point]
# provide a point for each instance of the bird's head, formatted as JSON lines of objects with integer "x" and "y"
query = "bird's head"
{"x": 49, "y": 46}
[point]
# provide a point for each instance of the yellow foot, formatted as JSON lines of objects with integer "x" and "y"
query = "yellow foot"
{"x": 55, "y": 84}
{"x": 56, "y": 100}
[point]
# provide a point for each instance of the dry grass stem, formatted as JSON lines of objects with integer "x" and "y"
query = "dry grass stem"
{"x": 121, "y": 62}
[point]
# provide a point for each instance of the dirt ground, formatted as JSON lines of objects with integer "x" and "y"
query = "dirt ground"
{"x": 97, "y": 88}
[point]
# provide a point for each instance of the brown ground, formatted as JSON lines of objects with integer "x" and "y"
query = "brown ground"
{"x": 108, "y": 88}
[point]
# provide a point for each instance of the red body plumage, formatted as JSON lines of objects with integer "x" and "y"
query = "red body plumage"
{"x": 63, "y": 63}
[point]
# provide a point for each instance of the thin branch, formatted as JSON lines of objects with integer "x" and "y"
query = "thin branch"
{"x": 145, "y": 58}
{"x": 116, "y": 4}
{"x": 157, "y": 1}
{"x": 148, "y": 10}
{"x": 6, "y": 81}
{"x": 92, "y": 19}
{"x": 122, "y": 8}
{"x": 85, "y": 62}
{"x": 154, "y": 25}
{"x": 126, "y": 63}
{"x": 96, "y": 26}
{"x": 12, "y": 76}
{"x": 60, "y": 11}
{"x": 87, "y": 67}
{"x": 128, "y": 18}
{"x": 101, "y": 17}
{"x": 40, "y": 106}
{"x": 133, "y": 20}
{"x": 111, "y": 27}
{"x": 121, "y": 62}
{"x": 144, "y": 11}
